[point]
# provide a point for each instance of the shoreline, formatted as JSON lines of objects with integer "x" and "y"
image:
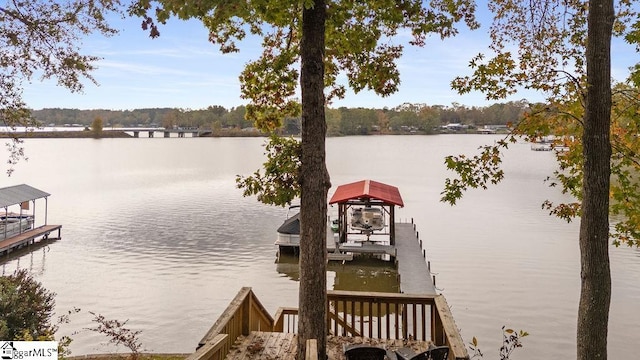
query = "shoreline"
{"x": 64, "y": 134}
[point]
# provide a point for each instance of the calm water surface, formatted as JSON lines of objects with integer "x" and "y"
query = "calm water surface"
{"x": 155, "y": 231}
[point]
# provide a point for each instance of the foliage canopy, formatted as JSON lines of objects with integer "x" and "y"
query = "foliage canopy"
{"x": 547, "y": 53}
{"x": 42, "y": 39}
{"x": 26, "y": 308}
{"x": 564, "y": 50}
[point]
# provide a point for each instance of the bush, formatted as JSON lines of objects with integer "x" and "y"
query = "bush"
{"x": 26, "y": 308}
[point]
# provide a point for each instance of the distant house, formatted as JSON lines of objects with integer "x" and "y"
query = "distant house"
{"x": 454, "y": 127}
{"x": 486, "y": 130}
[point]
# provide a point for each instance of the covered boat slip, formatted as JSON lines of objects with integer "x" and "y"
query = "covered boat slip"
{"x": 366, "y": 220}
{"x": 367, "y": 227}
{"x": 371, "y": 205}
{"x": 408, "y": 254}
{"x": 16, "y": 229}
{"x": 365, "y": 223}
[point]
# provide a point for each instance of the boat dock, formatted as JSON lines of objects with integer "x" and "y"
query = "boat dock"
{"x": 17, "y": 229}
{"x": 373, "y": 322}
{"x": 408, "y": 254}
{"x": 29, "y": 237}
{"x": 366, "y": 226}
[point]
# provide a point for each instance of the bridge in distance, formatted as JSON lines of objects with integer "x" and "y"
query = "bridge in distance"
{"x": 166, "y": 132}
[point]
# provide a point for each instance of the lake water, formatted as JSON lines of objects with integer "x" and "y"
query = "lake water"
{"x": 155, "y": 231}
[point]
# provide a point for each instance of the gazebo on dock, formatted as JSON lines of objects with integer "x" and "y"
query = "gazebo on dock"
{"x": 367, "y": 199}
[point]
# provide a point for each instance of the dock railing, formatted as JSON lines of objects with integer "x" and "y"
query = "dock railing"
{"x": 349, "y": 313}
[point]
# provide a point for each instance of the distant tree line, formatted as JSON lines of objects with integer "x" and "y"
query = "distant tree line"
{"x": 414, "y": 118}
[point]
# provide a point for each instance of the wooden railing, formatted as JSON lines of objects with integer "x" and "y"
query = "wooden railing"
{"x": 349, "y": 313}
{"x": 286, "y": 320}
{"x": 394, "y": 316}
{"x": 244, "y": 314}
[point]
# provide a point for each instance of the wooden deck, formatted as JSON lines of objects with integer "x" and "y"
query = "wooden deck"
{"x": 28, "y": 237}
{"x": 388, "y": 320}
{"x": 277, "y": 345}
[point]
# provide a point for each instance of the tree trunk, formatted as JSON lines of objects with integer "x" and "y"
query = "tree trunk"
{"x": 595, "y": 292}
{"x": 314, "y": 184}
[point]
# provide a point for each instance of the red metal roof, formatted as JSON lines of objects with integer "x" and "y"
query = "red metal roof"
{"x": 367, "y": 189}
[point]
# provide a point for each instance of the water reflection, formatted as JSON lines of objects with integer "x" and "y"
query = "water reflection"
{"x": 35, "y": 254}
{"x": 360, "y": 274}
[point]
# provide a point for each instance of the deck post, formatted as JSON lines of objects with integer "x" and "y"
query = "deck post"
{"x": 435, "y": 318}
{"x": 392, "y": 226}
{"x": 246, "y": 314}
{"x": 46, "y": 209}
{"x": 311, "y": 350}
{"x": 6, "y": 215}
{"x": 34, "y": 213}
{"x": 342, "y": 225}
{"x": 405, "y": 322}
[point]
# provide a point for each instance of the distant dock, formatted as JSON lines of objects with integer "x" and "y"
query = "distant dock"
{"x": 17, "y": 229}
{"x": 29, "y": 237}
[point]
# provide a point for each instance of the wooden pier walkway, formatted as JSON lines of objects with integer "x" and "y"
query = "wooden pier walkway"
{"x": 28, "y": 237}
{"x": 413, "y": 267}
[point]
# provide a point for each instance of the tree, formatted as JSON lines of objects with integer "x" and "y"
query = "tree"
{"x": 564, "y": 51}
{"x": 26, "y": 308}
{"x": 171, "y": 119}
{"x": 326, "y": 38}
{"x": 334, "y": 120}
{"x": 314, "y": 182}
{"x": 42, "y": 38}
{"x": 96, "y": 127}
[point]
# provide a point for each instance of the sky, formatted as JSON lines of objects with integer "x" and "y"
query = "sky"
{"x": 181, "y": 69}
